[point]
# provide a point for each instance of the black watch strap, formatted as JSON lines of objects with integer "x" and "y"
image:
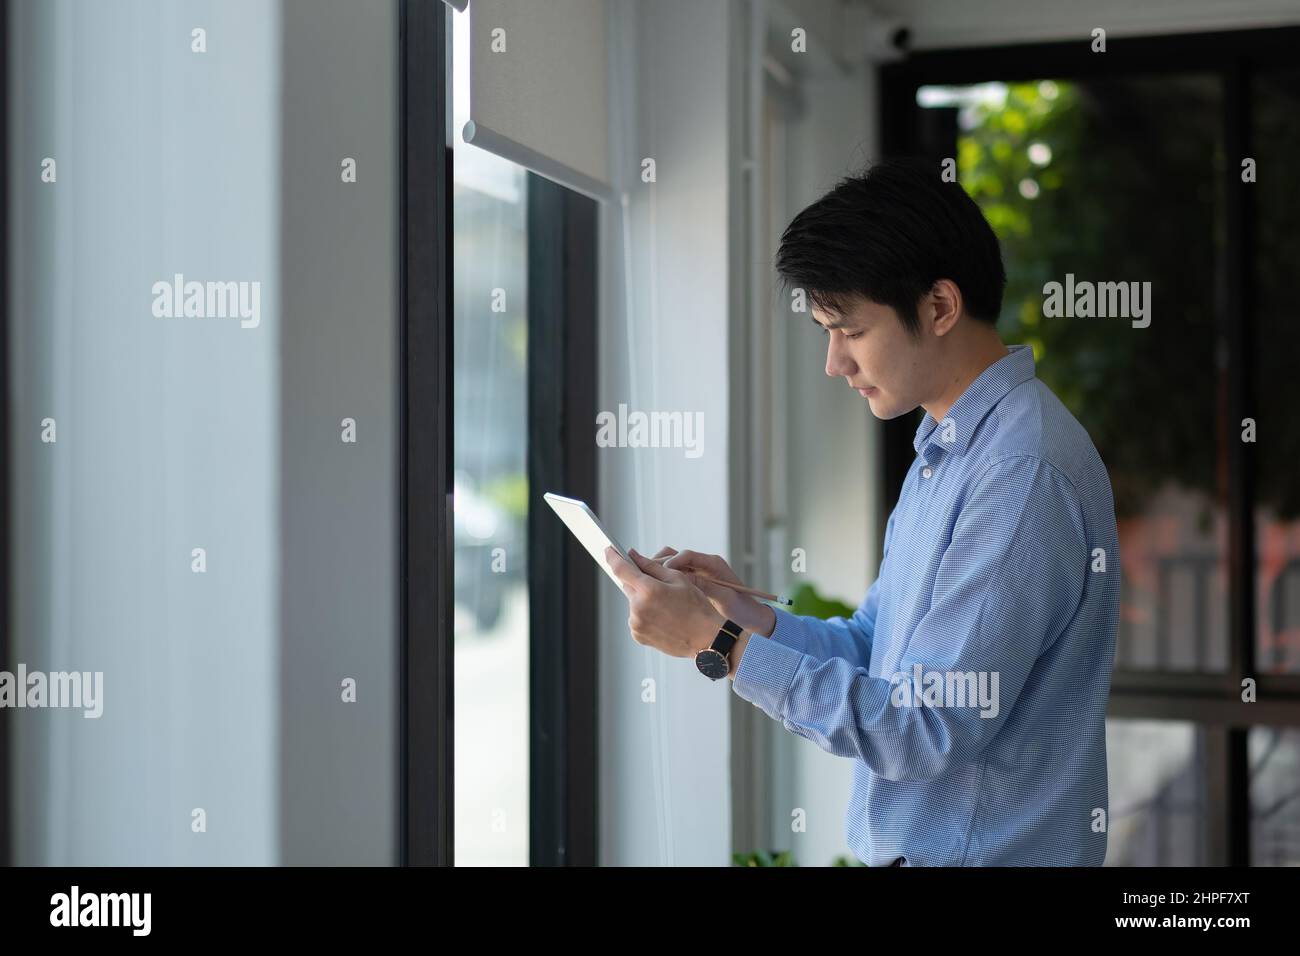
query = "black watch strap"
{"x": 728, "y": 634}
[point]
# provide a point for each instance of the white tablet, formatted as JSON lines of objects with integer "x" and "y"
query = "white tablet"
{"x": 586, "y": 527}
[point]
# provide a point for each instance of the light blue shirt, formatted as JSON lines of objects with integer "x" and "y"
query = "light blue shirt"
{"x": 970, "y": 686}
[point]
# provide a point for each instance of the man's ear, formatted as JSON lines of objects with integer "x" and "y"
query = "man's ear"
{"x": 945, "y": 301}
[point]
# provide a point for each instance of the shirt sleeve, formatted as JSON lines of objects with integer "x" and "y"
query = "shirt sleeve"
{"x": 1008, "y": 583}
{"x": 849, "y": 638}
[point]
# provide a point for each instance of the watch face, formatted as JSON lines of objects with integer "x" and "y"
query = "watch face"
{"x": 712, "y": 664}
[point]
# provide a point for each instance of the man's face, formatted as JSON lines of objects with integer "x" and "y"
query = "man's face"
{"x": 869, "y": 348}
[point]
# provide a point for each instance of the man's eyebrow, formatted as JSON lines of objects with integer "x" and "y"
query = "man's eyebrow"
{"x": 839, "y": 324}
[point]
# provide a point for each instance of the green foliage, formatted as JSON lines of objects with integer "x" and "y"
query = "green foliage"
{"x": 1115, "y": 180}
{"x": 509, "y": 493}
{"x": 764, "y": 858}
{"x": 845, "y": 861}
{"x": 808, "y": 602}
{"x": 516, "y": 336}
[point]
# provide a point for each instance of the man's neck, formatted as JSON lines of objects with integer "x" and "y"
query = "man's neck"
{"x": 987, "y": 350}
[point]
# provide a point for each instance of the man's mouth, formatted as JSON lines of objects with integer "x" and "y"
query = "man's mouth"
{"x": 868, "y": 391}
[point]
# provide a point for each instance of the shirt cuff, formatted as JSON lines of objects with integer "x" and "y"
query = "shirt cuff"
{"x": 766, "y": 671}
{"x": 791, "y": 630}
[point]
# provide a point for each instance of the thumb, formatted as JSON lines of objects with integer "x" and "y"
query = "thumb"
{"x": 625, "y": 572}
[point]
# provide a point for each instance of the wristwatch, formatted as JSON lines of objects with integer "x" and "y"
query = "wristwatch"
{"x": 713, "y": 662}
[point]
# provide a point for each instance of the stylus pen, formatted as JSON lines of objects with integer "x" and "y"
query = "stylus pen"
{"x": 738, "y": 588}
{"x": 753, "y": 592}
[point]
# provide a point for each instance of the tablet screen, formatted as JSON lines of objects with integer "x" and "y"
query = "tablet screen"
{"x": 586, "y": 527}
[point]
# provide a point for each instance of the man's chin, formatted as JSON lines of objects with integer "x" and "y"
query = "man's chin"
{"x": 885, "y": 410}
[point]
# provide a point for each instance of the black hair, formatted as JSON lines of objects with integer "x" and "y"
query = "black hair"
{"x": 888, "y": 234}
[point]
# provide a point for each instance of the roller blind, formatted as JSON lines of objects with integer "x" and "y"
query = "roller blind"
{"x": 538, "y": 75}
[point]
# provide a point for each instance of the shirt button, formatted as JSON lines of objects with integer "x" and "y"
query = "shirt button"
{"x": 926, "y": 472}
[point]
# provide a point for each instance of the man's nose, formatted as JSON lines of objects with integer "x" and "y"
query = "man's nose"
{"x": 838, "y": 362}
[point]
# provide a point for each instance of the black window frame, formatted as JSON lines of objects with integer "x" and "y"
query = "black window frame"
{"x": 563, "y": 648}
{"x": 426, "y": 793}
{"x": 1210, "y": 701}
{"x": 562, "y": 228}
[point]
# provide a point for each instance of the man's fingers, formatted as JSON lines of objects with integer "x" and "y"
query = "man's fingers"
{"x": 715, "y": 591}
{"x": 685, "y": 559}
{"x": 664, "y": 553}
{"x": 651, "y": 568}
{"x": 707, "y": 564}
{"x": 626, "y": 573}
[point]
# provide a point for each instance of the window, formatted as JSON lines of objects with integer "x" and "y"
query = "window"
{"x": 1156, "y": 773}
{"x": 1275, "y": 796}
{"x": 1138, "y": 168}
{"x": 490, "y": 560}
{"x": 1275, "y": 134}
{"x": 524, "y": 598}
{"x": 1052, "y": 165}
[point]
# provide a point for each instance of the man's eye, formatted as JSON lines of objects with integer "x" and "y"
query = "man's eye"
{"x": 826, "y": 331}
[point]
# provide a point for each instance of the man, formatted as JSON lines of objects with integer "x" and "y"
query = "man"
{"x": 970, "y": 686}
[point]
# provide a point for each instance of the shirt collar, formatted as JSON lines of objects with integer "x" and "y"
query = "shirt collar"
{"x": 979, "y": 399}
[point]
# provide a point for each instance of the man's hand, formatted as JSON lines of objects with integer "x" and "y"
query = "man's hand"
{"x": 741, "y": 608}
{"x": 665, "y": 610}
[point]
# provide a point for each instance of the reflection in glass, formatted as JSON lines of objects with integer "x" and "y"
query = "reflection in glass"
{"x": 1156, "y": 771}
{"x": 1274, "y": 796}
{"x": 1275, "y": 104}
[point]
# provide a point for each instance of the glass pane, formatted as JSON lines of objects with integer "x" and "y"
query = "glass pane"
{"x": 1157, "y": 795}
{"x": 1275, "y": 104}
{"x": 491, "y": 496}
{"x": 1274, "y": 796}
{"x": 1084, "y": 182}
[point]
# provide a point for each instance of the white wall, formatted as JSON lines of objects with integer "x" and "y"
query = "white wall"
{"x": 167, "y": 162}
{"x": 338, "y": 516}
{"x": 222, "y": 690}
{"x": 664, "y": 787}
